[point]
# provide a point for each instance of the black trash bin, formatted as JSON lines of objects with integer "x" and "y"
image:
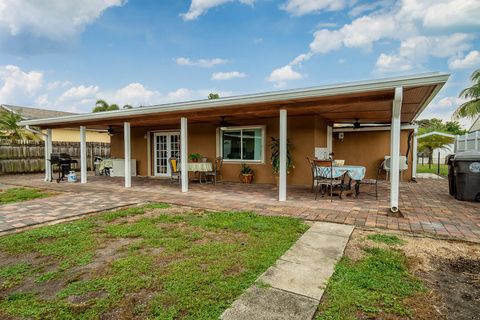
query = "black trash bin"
{"x": 451, "y": 174}
{"x": 467, "y": 175}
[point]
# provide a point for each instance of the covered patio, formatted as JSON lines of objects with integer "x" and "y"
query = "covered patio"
{"x": 311, "y": 117}
{"x": 426, "y": 205}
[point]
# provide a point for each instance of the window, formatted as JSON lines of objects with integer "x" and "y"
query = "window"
{"x": 242, "y": 143}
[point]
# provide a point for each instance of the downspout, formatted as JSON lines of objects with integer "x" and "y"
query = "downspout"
{"x": 27, "y": 127}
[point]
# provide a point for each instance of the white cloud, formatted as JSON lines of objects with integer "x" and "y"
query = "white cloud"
{"x": 452, "y": 13}
{"x": 325, "y": 41}
{"x": 17, "y": 86}
{"x": 56, "y": 20}
{"x": 203, "y": 63}
{"x": 470, "y": 61}
{"x": 415, "y": 51}
{"x": 302, "y": 7}
{"x": 58, "y": 84}
{"x": 443, "y": 108}
{"x": 79, "y": 98}
{"x": 403, "y": 21}
{"x": 134, "y": 94}
{"x": 200, "y": 7}
{"x": 228, "y": 75}
{"x": 281, "y": 75}
{"x": 392, "y": 63}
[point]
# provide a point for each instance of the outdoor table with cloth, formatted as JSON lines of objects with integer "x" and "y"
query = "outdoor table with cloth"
{"x": 356, "y": 173}
{"x": 198, "y": 168}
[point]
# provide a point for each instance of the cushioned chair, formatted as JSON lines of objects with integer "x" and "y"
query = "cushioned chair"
{"x": 175, "y": 175}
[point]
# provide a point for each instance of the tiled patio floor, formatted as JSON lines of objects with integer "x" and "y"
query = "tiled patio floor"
{"x": 426, "y": 205}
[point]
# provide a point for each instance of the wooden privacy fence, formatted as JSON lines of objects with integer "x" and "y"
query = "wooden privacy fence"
{"x": 27, "y": 156}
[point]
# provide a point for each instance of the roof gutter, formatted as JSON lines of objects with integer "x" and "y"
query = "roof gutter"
{"x": 278, "y": 96}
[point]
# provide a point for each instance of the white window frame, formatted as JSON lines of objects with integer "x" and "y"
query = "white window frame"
{"x": 241, "y": 128}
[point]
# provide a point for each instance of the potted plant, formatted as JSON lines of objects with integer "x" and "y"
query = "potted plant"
{"x": 246, "y": 173}
{"x": 275, "y": 157}
{"x": 194, "y": 157}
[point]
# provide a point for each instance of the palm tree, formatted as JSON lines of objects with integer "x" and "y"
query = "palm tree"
{"x": 102, "y": 105}
{"x": 471, "y": 108}
{"x": 10, "y": 129}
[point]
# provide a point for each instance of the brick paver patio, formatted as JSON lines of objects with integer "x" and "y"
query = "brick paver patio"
{"x": 426, "y": 205}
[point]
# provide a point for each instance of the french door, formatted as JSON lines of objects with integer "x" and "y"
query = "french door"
{"x": 166, "y": 146}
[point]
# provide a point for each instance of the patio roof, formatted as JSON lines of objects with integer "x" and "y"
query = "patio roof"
{"x": 369, "y": 101}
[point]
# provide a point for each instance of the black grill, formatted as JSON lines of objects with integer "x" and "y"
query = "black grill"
{"x": 63, "y": 162}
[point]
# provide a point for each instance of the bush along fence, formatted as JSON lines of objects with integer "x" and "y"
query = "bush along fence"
{"x": 28, "y": 156}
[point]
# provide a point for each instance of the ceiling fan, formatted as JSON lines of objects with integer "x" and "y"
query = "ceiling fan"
{"x": 357, "y": 124}
{"x": 224, "y": 123}
{"x": 110, "y": 131}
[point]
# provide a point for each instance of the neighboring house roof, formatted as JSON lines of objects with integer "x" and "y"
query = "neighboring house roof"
{"x": 29, "y": 113}
{"x": 436, "y": 133}
{"x": 336, "y": 103}
{"x": 475, "y": 126}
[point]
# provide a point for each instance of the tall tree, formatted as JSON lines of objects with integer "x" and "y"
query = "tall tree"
{"x": 471, "y": 108}
{"x": 213, "y": 95}
{"x": 430, "y": 143}
{"x": 102, "y": 105}
{"x": 10, "y": 129}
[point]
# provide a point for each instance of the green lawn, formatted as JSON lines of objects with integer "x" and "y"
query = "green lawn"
{"x": 374, "y": 287}
{"x": 153, "y": 261}
{"x": 434, "y": 169}
{"x": 21, "y": 194}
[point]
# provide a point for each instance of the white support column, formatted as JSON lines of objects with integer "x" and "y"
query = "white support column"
{"x": 282, "y": 179}
{"x": 149, "y": 154}
{"x": 329, "y": 139}
{"x": 414, "y": 153}
{"x": 184, "y": 153}
{"x": 83, "y": 155}
{"x": 395, "y": 149}
{"x": 48, "y": 151}
{"x": 128, "y": 154}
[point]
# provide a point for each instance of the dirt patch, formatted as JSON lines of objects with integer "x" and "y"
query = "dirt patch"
{"x": 449, "y": 269}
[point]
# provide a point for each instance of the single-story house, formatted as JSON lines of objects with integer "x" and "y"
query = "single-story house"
{"x": 58, "y": 134}
{"x": 360, "y": 122}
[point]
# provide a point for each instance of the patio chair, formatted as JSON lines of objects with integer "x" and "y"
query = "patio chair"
{"x": 324, "y": 172}
{"x": 315, "y": 177}
{"x": 216, "y": 172}
{"x": 372, "y": 182}
{"x": 403, "y": 165}
{"x": 175, "y": 175}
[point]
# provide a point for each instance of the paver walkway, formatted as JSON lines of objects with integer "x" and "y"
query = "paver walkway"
{"x": 293, "y": 286}
{"x": 426, "y": 205}
{"x": 67, "y": 205}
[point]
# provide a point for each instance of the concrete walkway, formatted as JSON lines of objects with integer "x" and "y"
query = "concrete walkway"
{"x": 293, "y": 286}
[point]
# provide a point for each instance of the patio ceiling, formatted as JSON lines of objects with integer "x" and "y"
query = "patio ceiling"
{"x": 370, "y": 102}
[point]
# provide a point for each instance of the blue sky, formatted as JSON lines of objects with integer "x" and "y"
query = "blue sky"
{"x": 66, "y": 54}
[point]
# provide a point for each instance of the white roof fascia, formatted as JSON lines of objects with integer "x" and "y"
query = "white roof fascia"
{"x": 277, "y": 96}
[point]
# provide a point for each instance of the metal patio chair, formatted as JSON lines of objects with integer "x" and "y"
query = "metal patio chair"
{"x": 216, "y": 172}
{"x": 324, "y": 172}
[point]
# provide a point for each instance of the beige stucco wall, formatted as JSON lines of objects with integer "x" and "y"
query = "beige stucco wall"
{"x": 73, "y": 135}
{"x": 304, "y": 133}
{"x": 367, "y": 148}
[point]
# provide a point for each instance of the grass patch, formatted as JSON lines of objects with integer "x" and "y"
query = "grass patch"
{"x": 188, "y": 265}
{"x": 433, "y": 169}
{"x": 21, "y": 194}
{"x": 389, "y": 239}
{"x": 372, "y": 287}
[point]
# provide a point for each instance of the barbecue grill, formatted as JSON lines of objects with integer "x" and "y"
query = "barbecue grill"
{"x": 63, "y": 161}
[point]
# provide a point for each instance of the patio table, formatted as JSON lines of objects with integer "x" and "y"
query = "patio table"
{"x": 200, "y": 166}
{"x": 354, "y": 172}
